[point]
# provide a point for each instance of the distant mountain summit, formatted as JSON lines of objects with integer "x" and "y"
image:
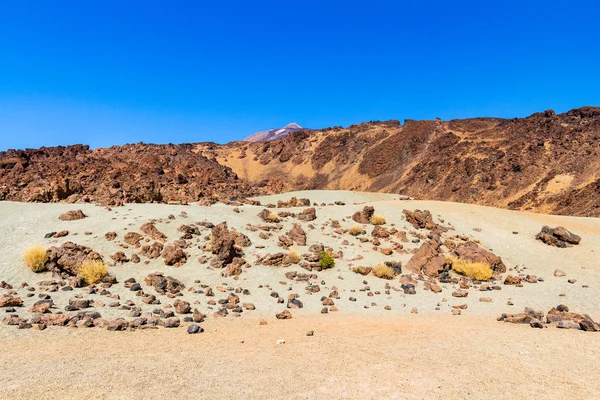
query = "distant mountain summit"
{"x": 272, "y": 134}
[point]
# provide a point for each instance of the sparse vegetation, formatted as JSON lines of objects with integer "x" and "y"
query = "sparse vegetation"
{"x": 93, "y": 271}
{"x": 476, "y": 270}
{"x": 272, "y": 217}
{"x": 361, "y": 270}
{"x": 327, "y": 261}
{"x": 292, "y": 258}
{"x": 355, "y": 230}
{"x": 377, "y": 219}
{"x": 35, "y": 257}
{"x": 383, "y": 271}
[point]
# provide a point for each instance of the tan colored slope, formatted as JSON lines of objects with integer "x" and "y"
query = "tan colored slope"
{"x": 545, "y": 163}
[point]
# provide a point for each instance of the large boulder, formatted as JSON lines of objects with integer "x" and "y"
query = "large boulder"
{"x": 420, "y": 219}
{"x": 380, "y": 232}
{"x": 427, "y": 260}
{"x": 558, "y": 237}
{"x": 268, "y": 216}
{"x": 174, "y": 255}
{"x": 10, "y": 301}
{"x": 152, "y": 251}
{"x": 364, "y": 216}
{"x": 310, "y": 214}
{"x": 163, "y": 284}
{"x": 273, "y": 260}
{"x": 472, "y": 252}
{"x": 223, "y": 244}
{"x": 72, "y": 215}
{"x": 297, "y": 235}
{"x": 69, "y": 257}
{"x": 149, "y": 229}
{"x": 132, "y": 238}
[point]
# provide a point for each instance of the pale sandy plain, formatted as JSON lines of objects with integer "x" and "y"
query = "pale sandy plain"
{"x": 357, "y": 352}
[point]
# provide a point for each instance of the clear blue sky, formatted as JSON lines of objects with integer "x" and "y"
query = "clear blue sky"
{"x": 113, "y": 72}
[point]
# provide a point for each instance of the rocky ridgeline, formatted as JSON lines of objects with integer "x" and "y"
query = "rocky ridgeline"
{"x": 546, "y": 161}
{"x": 512, "y": 163}
{"x": 137, "y": 173}
{"x": 164, "y": 301}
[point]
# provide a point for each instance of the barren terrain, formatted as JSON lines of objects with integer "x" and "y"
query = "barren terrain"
{"x": 376, "y": 340}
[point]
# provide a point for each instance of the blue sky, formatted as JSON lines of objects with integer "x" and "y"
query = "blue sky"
{"x": 112, "y": 72}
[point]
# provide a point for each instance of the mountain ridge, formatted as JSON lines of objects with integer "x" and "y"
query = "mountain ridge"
{"x": 545, "y": 162}
{"x": 273, "y": 134}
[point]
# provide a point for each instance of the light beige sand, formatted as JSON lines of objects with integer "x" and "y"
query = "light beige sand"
{"x": 357, "y": 353}
{"x": 401, "y": 357}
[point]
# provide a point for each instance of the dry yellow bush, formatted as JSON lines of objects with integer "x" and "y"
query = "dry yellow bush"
{"x": 292, "y": 258}
{"x": 272, "y": 217}
{"x": 355, "y": 230}
{"x": 93, "y": 271}
{"x": 377, "y": 219}
{"x": 477, "y": 270}
{"x": 383, "y": 271}
{"x": 35, "y": 257}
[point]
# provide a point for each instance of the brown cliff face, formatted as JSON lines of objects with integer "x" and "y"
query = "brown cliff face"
{"x": 545, "y": 162}
{"x": 131, "y": 173}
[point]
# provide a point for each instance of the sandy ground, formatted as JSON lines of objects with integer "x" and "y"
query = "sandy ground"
{"x": 367, "y": 357}
{"x": 362, "y": 351}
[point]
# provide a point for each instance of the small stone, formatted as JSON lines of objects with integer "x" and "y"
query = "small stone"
{"x": 558, "y": 273}
{"x": 193, "y": 329}
{"x": 310, "y": 333}
{"x": 285, "y": 314}
{"x": 280, "y": 341}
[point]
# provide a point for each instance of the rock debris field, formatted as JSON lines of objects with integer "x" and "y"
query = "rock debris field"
{"x": 294, "y": 258}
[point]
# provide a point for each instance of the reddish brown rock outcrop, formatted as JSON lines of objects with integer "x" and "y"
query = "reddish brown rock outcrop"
{"x": 134, "y": 173}
{"x": 151, "y": 230}
{"x": 558, "y": 237}
{"x": 364, "y": 216}
{"x": 163, "y": 284}
{"x": 420, "y": 219}
{"x": 69, "y": 257}
{"x": 472, "y": 252}
{"x": 427, "y": 260}
{"x": 72, "y": 215}
{"x": 223, "y": 244}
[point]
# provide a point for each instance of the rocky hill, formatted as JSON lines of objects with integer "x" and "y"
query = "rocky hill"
{"x": 139, "y": 173}
{"x": 546, "y": 162}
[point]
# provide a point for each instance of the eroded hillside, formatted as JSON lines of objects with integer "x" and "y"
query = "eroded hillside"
{"x": 546, "y": 162}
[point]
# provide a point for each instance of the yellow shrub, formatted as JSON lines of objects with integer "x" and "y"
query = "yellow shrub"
{"x": 292, "y": 258}
{"x": 377, "y": 219}
{"x": 35, "y": 257}
{"x": 477, "y": 270}
{"x": 93, "y": 271}
{"x": 272, "y": 217}
{"x": 355, "y": 230}
{"x": 383, "y": 271}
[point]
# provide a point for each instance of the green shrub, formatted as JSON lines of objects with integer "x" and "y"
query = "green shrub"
{"x": 327, "y": 261}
